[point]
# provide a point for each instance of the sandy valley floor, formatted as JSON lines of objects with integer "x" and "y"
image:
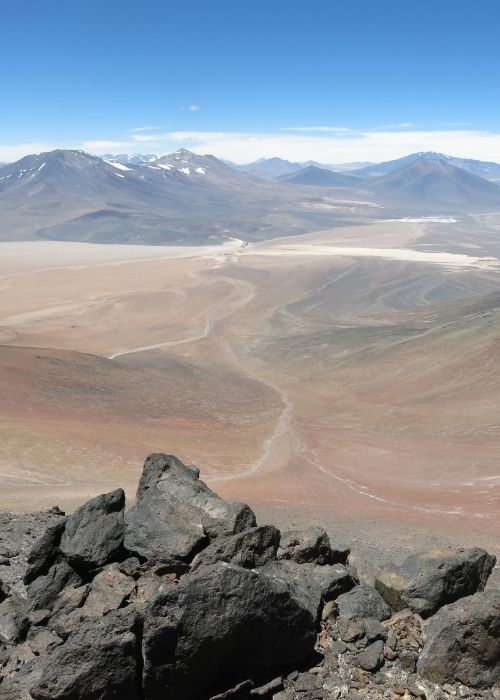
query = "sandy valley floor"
{"x": 350, "y": 377}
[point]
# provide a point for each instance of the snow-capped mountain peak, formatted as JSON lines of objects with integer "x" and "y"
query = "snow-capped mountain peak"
{"x": 130, "y": 158}
{"x": 185, "y": 162}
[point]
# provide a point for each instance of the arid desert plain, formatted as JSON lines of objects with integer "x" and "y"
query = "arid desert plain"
{"x": 348, "y": 377}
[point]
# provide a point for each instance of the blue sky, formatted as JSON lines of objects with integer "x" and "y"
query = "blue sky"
{"x": 330, "y": 80}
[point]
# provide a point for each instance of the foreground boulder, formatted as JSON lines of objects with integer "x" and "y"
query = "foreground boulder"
{"x": 426, "y": 581}
{"x": 43, "y": 591}
{"x": 97, "y": 662}
{"x": 363, "y": 601}
{"x": 251, "y": 548}
{"x": 44, "y": 552}
{"x": 463, "y": 642}
{"x": 176, "y": 515}
{"x": 222, "y": 622}
{"x": 311, "y": 585}
{"x": 93, "y": 535}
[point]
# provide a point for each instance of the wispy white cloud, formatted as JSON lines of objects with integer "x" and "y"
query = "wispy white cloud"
{"x": 146, "y": 138}
{"x": 322, "y": 146}
{"x": 400, "y": 125}
{"x": 194, "y": 108}
{"x": 142, "y": 128}
{"x": 373, "y": 146}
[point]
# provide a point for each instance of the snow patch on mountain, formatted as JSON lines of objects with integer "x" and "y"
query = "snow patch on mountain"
{"x": 118, "y": 166}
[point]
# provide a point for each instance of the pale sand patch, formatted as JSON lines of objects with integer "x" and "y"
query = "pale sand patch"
{"x": 41, "y": 256}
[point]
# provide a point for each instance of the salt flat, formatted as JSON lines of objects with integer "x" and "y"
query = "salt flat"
{"x": 417, "y": 256}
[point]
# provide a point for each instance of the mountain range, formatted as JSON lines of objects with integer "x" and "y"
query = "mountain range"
{"x": 277, "y": 167}
{"x": 433, "y": 182}
{"x": 313, "y": 175}
{"x": 269, "y": 168}
{"x": 186, "y": 197}
{"x": 488, "y": 170}
{"x": 180, "y": 198}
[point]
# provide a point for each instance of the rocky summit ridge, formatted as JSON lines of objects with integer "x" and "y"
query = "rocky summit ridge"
{"x": 184, "y": 596}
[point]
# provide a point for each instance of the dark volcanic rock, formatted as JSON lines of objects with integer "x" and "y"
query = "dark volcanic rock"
{"x": 18, "y": 534}
{"x": 42, "y": 641}
{"x": 221, "y": 620}
{"x": 16, "y": 686}
{"x": 330, "y": 580}
{"x": 374, "y": 630}
{"x": 350, "y": 630}
{"x": 158, "y": 466}
{"x": 43, "y": 591}
{"x": 44, "y": 552}
{"x": 185, "y": 598}
{"x": 306, "y": 683}
{"x": 363, "y": 601}
{"x": 428, "y": 580}
{"x": 3, "y": 591}
{"x": 303, "y": 587}
{"x": 306, "y": 546}
{"x": 251, "y": 548}
{"x": 69, "y": 599}
{"x": 108, "y": 591}
{"x": 371, "y": 658}
{"x": 98, "y": 662}
{"x": 13, "y": 619}
{"x": 175, "y": 514}
{"x": 463, "y": 642}
{"x": 312, "y": 585}
{"x": 93, "y": 535}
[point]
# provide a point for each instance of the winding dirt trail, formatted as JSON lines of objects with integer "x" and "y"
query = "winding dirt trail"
{"x": 285, "y": 429}
{"x": 169, "y": 343}
{"x": 221, "y": 313}
{"x": 285, "y": 426}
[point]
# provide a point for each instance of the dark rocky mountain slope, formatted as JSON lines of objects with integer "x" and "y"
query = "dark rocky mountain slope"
{"x": 180, "y": 198}
{"x": 270, "y": 168}
{"x": 434, "y": 185}
{"x": 313, "y": 176}
{"x": 486, "y": 169}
